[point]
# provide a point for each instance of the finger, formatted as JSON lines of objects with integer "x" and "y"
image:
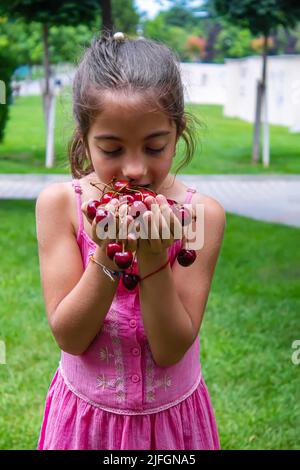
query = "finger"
{"x": 166, "y": 227}
{"x": 171, "y": 220}
{"x": 153, "y": 231}
{"x": 131, "y": 243}
{"x": 149, "y": 201}
{"x": 123, "y": 210}
{"x": 112, "y": 206}
{"x": 124, "y": 224}
{"x": 176, "y": 226}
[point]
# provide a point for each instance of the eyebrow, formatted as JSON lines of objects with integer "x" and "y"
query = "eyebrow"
{"x": 115, "y": 137}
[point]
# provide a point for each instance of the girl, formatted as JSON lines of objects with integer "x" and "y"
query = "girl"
{"x": 129, "y": 375}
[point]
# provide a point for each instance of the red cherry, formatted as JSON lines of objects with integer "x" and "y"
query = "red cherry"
{"x": 186, "y": 257}
{"x": 106, "y": 197}
{"x": 171, "y": 202}
{"x": 123, "y": 259}
{"x": 101, "y": 214}
{"x": 121, "y": 185}
{"x": 113, "y": 248}
{"x": 127, "y": 198}
{"x": 130, "y": 280}
{"x": 141, "y": 194}
{"x": 92, "y": 208}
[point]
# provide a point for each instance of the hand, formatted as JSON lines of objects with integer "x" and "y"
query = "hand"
{"x": 160, "y": 225}
{"x": 118, "y": 220}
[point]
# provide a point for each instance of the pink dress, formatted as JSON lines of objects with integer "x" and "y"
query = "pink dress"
{"x": 114, "y": 396}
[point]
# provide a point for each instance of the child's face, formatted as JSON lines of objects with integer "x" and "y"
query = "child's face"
{"x": 136, "y": 157}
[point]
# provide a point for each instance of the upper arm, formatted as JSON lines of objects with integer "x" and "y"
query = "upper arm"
{"x": 193, "y": 283}
{"x": 59, "y": 255}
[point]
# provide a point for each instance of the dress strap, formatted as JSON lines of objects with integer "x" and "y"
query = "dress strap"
{"x": 189, "y": 195}
{"x": 78, "y": 191}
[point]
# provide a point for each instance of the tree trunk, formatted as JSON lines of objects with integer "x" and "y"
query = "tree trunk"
{"x": 107, "y": 23}
{"x": 48, "y": 101}
{"x": 261, "y": 86}
{"x": 46, "y": 87}
{"x": 50, "y": 134}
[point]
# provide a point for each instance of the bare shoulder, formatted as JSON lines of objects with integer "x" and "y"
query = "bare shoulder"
{"x": 212, "y": 207}
{"x": 56, "y": 242}
{"x": 54, "y": 192}
{"x": 54, "y": 204}
{"x": 214, "y": 220}
{"x": 214, "y": 212}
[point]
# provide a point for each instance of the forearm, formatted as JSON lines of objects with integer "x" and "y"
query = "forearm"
{"x": 167, "y": 325}
{"x": 80, "y": 315}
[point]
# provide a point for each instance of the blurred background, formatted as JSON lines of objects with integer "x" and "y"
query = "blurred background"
{"x": 240, "y": 66}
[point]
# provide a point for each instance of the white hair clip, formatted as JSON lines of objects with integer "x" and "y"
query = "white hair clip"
{"x": 119, "y": 36}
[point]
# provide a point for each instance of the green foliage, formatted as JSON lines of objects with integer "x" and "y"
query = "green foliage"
{"x": 65, "y": 40}
{"x": 8, "y": 62}
{"x": 173, "y": 36}
{"x": 180, "y": 14}
{"x": 125, "y": 16}
{"x": 233, "y": 41}
{"x": 55, "y": 12}
{"x": 260, "y": 17}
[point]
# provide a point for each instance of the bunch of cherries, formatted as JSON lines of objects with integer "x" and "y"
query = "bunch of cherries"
{"x": 134, "y": 197}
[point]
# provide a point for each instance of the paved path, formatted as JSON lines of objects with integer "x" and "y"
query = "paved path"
{"x": 268, "y": 198}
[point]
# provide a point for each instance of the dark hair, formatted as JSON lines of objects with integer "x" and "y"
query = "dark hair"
{"x": 132, "y": 65}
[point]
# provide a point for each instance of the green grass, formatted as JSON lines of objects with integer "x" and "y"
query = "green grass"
{"x": 224, "y": 144}
{"x": 251, "y": 321}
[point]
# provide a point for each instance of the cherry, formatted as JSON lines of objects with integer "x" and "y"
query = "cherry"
{"x": 113, "y": 248}
{"x": 106, "y": 197}
{"x": 102, "y": 214}
{"x": 171, "y": 202}
{"x": 141, "y": 194}
{"x": 127, "y": 198}
{"x": 123, "y": 259}
{"x": 92, "y": 208}
{"x": 121, "y": 185}
{"x": 186, "y": 257}
{"x": 130, "y": 280}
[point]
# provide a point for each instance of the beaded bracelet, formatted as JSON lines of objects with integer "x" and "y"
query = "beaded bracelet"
{"x": 113, "y": 275}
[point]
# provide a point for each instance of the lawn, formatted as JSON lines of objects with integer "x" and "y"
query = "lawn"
{"x": 251, "y": 321}
{"x": 224, "y": 144}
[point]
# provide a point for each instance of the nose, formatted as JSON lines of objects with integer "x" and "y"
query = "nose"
{"x": 134, "y": 171}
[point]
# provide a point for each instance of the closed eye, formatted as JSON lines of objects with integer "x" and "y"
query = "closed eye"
{"x": 148, "y": 149}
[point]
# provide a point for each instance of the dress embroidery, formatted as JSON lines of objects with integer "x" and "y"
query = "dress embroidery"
{"x": 112, "y": 327}
{"x": 165, "y": 382}
{"x": 104, "y": 354}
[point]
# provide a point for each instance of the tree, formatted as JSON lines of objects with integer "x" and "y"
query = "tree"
{"x": 260, "y": 18}
{"x": 57, "y": 12}
{"x": 8, "y": 63}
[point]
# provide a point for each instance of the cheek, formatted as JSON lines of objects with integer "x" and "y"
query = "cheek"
{"x": 162, "y": 166}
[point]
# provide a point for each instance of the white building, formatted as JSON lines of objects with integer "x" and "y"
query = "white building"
{"x": 204, "y": 83}
{"x": 283, "y": 89}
